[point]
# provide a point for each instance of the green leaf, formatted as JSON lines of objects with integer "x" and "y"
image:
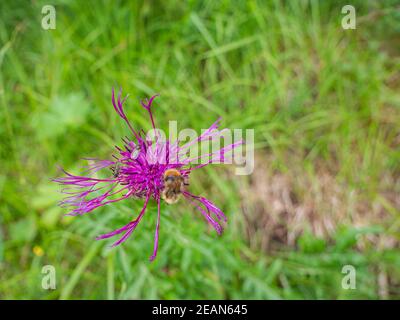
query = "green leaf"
{"x": 64, "y": 113}
{"x": 23, "y": 230}
{"x": 310, "y": 244}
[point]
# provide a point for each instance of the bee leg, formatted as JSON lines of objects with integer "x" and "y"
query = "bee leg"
{"x": 185, "y": 181}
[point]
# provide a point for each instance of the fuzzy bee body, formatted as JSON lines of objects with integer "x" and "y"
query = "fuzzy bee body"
{"x": 116, "y": 169}
{"x": 174, "y": 183}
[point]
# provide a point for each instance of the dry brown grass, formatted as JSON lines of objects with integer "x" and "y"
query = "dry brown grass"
{"x": 278, "y": 207}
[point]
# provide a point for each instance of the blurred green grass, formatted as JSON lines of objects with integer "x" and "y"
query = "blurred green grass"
{"x": 313, "y": 92}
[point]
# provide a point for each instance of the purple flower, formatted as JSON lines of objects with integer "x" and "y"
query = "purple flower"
{"x": 144, "y": 168}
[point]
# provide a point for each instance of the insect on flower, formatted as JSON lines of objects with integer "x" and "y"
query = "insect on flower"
{"x": 143, "y": 169}
{"x": 174, "y": 184}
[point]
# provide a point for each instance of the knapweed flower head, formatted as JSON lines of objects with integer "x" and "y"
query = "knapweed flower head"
{"x": 152, "y": 169}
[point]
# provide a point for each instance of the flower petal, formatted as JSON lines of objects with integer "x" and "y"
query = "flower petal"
{"x": 153, "y": 256}
{"x": 210, "y": 207}
{"x": 128, "y": 229}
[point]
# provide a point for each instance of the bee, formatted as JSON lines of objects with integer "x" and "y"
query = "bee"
{"x": 174, "y": 183}
{"x": 116, "y": 169}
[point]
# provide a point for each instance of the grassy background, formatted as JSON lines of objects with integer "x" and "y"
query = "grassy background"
{"x": 324, "y": 104}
